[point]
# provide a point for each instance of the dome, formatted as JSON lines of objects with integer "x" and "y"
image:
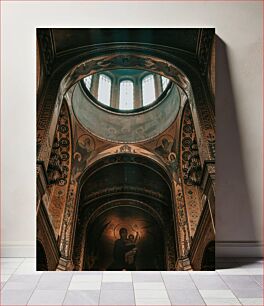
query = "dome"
{"x": 126, "y": 105}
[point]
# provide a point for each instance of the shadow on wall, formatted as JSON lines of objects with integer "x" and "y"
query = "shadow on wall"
{"x": 234, "y": 215}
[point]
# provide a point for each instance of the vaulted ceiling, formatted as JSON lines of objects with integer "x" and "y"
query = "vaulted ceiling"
{"x": 65, "y": 40}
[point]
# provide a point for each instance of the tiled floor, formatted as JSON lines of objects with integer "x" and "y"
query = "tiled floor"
{"x": 236, "y": 282}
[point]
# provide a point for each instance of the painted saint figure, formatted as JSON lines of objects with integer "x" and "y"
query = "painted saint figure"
{"x": 130, "y": 256}
{"x": 121, "y": 247}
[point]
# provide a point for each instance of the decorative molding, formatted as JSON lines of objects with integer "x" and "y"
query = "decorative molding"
{"x": 47, "y": 49}
{"x": 204, "y": 49}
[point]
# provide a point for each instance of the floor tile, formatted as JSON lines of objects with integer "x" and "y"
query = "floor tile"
{"x": 244, "y": 278}
{"x": 150, "y": 302}
{"x": 174, "y": 273}
{"x": 27, "y": 268}
{"x": 15, "y": 297}
{"x": 209, "y": 282}
{"x": 117, "y": 297}
{"x": 150, "y": 293}
{"x": 207, "y": 273}
{"x": 146, "y": 277}
{"x": 240, "y": 282}
{"x": 251, "y": 301}
{"x": 20, "y": 285}
{"x": 5, "y": 277}
{"x": 8, "y": 270}
{"x": 218, "y": 294}
{"x": 85, "y": 285}
{"x": 30, "y": 260}
{"x": 117, "y": 277}
{"x": 12, "y": 265}
{"x": 32, "y": 278}
{"x": 185, "y": 297}
{"x": 222, "y": 301}
{"x": 87, "y": 278}
{"x": 22, "y": 282}
{"x": 87, "y": 297}
{"x": 248, "y": 293}
{"x": 258, "y": 279}
{"x": 149, "y": 286}
{"x": 117, "y": 286}
{"x": 54, "y": 281}
{"x": 178, "y": 282}
{"x": 47, "y": 297}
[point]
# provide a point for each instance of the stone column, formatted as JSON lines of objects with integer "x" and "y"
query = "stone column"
{"x": 138, "y": 93}
{"x": 95, "y": 84}
{"x": 158, "y": 85}
{"x": 68, "y": 226}
{"x": 115, "y": 92}
{"x": 183, "y": 235}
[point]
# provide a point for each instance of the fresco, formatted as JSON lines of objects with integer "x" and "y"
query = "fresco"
{"x": 126, "y": 129}
{"x": 83, "y": 150}
{"x": 124, "y": 238}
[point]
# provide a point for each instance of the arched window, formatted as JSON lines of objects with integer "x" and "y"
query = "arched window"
{"x": 148, "y": 89}
{"x": 88, "y": 82}
{"x": 126, "y": 98}
{"x": 164, "y": 82}
{"x": 104, "y": 89}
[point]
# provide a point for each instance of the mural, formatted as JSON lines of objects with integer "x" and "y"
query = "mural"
{"x": 164, "y": 146}
{"x": 124, "y": 239}
{"x": 126, "y": 191}
{"x": 125, "y": 129}
{"x": 83, "y": 150}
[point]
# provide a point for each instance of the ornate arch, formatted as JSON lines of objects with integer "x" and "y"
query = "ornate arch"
{"x": 156, "y": 61}
{"x": 59, "y": 169}
{"x": 94, "y": 213}
{"x": 190, "y": 168}
{"x": 69, "y": 73}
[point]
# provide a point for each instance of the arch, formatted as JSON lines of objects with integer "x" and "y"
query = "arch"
{"x": 158, "y": 62}
{"x": 208, "y": 261}
{"x": 86, "y": 68}
{"x": 190, "y": 168}
{"x": 59, "y": 169}
{"x": 158, "y": 205}
{"x": 129, "y": 60}
{"x": 128, "y": 211}
{"x": 123, "y": 150}
{"x": 42, "y": 263}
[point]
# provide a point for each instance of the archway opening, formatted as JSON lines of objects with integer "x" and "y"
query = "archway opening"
{"x": 42, "y": 264}
{"x": 142, "y": 249}
{"x": 208, "y": 261}
{"x": 130, "y": 192}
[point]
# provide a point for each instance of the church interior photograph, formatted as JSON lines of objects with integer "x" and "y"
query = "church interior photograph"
{"x": 125, "y": 149}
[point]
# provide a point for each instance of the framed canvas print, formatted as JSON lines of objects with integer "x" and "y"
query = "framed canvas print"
{"x": 125, "y": 149}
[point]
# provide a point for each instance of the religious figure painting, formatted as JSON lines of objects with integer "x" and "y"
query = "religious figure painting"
{"x": 125, "y": 149}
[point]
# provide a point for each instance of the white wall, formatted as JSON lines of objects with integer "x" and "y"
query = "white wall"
{"x": 239, "y": 106}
